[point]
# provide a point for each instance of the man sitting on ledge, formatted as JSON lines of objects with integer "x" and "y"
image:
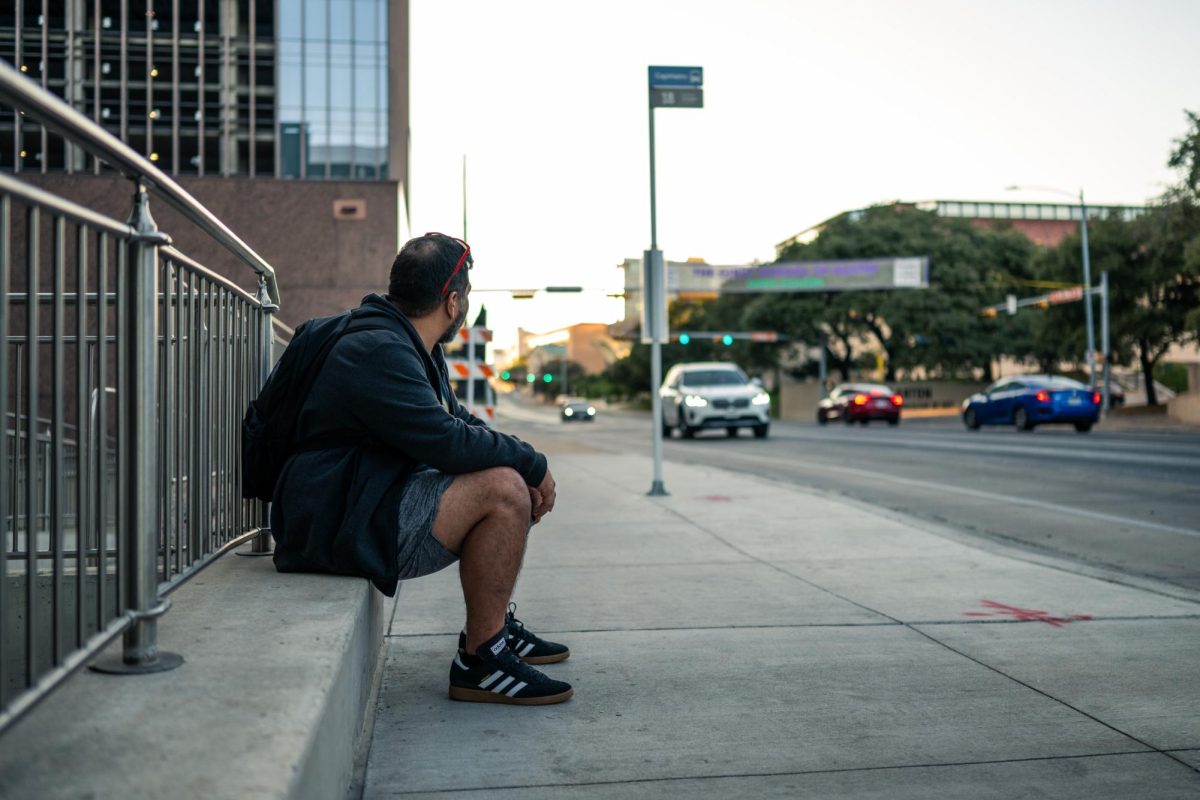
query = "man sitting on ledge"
{"x": 393, "y": 479}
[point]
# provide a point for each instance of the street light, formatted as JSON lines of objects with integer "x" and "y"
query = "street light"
{"x": 1087, "y": 271}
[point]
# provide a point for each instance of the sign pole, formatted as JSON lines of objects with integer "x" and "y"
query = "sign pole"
{"x": 678, "y": 87}
{"x": 471, "y": 365}
{"x": 650, "y": 295}
{"x": 1104, "y": 344}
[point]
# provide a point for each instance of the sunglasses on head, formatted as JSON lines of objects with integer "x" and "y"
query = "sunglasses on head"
{"x": 466, "y": 254}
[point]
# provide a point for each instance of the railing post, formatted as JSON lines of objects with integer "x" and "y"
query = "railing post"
{"x": 261, "y": 546}
{"x": 140, "y": 653}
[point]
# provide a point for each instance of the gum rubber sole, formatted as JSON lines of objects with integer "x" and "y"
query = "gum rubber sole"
{"x": 547, "y": 659}
{"x": 483, "y": 696}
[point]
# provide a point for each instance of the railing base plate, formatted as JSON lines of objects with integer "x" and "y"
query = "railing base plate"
{"x": 118, "y": 666}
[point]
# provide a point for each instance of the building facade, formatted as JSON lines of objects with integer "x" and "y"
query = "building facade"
{"x": 288, "y": 119}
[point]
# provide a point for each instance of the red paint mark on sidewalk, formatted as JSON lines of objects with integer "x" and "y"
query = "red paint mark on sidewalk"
{"x": 1024, "y": 614}
{"x": 716, "y": 498}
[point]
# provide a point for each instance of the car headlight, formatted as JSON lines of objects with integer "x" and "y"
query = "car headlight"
{"x": 568, "y": 413}
{"x": 761, "y": 399}
{"x": 591, "y": 411}
{"x": 694, "y": 401}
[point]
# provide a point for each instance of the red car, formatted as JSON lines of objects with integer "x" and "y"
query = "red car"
{"x": 860, "y": 402}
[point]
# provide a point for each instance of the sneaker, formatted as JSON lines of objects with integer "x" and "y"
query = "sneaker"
{"x": 529, "y": 647}
{"x": 495, "y": 675}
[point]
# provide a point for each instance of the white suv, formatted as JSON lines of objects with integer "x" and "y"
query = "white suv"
{"x": 713, "y": 395}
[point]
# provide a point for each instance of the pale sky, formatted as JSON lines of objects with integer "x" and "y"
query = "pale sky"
{"x": 811, "y": 108}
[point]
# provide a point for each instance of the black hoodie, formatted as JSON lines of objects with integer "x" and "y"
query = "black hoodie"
{"x": 336, "y": 510}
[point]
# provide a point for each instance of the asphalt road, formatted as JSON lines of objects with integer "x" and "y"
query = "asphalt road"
{"x": 1125, "y": 501}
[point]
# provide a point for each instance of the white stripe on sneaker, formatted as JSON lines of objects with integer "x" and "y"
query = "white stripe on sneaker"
{"x": 458, "y": 661}
{"x": 521, "y": 685}
{"x": 500, "y": 686}
{"x": 525, "y": 652}
{"x": 517, "y": 646}
{"x": 490, "y": 679}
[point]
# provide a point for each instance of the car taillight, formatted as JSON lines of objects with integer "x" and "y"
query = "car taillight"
{"x": 1096, "y": 398}
{"x": 860, "y": 399}
{"x": 897, "y": 400}
{"x": 1043, "y": 397}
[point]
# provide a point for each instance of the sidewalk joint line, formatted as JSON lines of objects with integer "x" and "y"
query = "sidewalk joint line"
{"x": 782, "y": 774}
{"x": 806, "y": 625}
{"x": 937, "y": 641}
{"x": 1049, "y": 696}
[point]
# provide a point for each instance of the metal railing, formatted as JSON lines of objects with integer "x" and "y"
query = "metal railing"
{"x": 125, "y": 367}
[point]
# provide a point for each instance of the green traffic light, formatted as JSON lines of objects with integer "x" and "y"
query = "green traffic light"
{"x": 684, "y": 338}
{"x": 505, "y": 375}
{"x": 530, "y": 378}
{"x": 727, "y": 340}
{"x": 547, "y": 377}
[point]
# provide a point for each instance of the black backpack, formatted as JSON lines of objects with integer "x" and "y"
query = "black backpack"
{"x": 269, "y": 427}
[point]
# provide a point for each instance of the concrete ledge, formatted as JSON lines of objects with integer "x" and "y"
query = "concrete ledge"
{"x": 269, "y": 704}
{"x": 1185, "y": 408}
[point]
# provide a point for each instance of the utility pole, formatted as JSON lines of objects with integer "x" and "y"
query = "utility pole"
{"x": 1087, "y": 290}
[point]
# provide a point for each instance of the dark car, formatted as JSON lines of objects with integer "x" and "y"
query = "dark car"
{"x": 1027, "y": 401}
{"x": 860, "y": 402}
{"x": 1116, "y": 391}
{"x": 575, "y": 410}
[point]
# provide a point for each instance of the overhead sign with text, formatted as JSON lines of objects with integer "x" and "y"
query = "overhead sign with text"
{"x": 676, "y": 87}
{"x": 676, "y": 77}
{"x": 811, "y": 276}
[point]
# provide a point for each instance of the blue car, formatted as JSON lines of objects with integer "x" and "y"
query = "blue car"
{"x": 1027, "y": 401}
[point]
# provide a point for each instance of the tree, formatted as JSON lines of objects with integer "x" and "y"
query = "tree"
{"x": 938, "y": 329}
{"x": 1153, "y": 263}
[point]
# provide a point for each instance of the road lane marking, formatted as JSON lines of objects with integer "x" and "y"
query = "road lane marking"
{"x": 939, "y": 487}
{"x": 1081, "y": 455}
{"x": 980, "y": 494}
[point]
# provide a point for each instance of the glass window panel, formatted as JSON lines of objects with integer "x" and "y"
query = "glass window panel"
{"x": 339, "y": 20}
{"x": 366, "y": 26}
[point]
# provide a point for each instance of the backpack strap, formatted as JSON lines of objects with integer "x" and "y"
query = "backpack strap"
{"x": 350, "y": 324}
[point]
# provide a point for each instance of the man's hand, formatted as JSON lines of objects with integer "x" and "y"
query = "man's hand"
{"x": 542, "y": 498}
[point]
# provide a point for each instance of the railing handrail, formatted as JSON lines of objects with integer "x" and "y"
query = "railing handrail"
{"x": 42, "y": 106}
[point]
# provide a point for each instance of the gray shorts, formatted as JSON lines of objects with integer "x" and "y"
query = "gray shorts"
{"x": 420, "y": 553}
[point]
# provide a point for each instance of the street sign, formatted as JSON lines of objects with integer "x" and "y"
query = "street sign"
{"x": 676, "y": 98}
{"x": 676, "y": 77}
{"x": 808, "y": 276}
{"x": 1066, "y": 295}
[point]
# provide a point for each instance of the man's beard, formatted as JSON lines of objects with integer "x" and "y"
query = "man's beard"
{"x": 448, "y": 336}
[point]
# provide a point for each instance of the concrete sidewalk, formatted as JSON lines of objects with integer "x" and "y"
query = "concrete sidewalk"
{"x": 743, "y": 638}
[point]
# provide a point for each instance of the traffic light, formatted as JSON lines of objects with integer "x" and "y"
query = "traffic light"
{"x": 530, "y": 377}
{"x": 548, "y": 377}
{"x": 727, "y": 340}
{"x": 505, "y": 375}
{"x": 684, "y": 338}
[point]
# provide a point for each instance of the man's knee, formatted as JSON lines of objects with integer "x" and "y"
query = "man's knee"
{"x": 507, "y": 489}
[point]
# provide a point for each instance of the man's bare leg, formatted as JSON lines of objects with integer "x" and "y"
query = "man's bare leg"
{"x": 484, "y": 517}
